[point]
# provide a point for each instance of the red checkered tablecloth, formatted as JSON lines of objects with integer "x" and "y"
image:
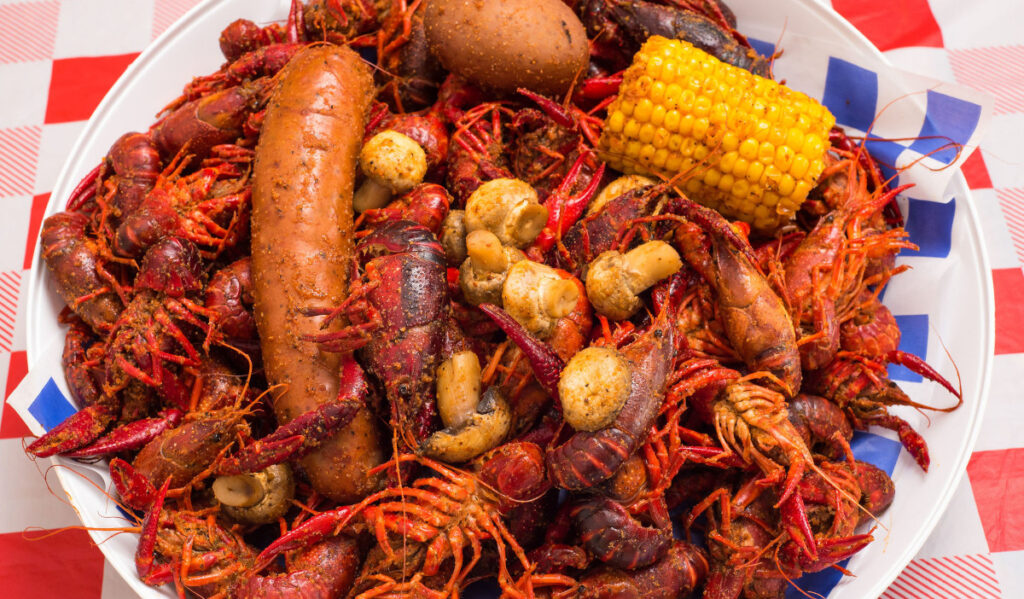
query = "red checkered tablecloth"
{"x": 59, "y": 57}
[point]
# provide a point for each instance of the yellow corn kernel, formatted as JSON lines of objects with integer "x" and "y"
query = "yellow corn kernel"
{"x": 740, "y": 168}
{"x": 711, "y": 177}
{"x": 671, "y": 121}
{"x": 657, "y": 95}
{"x": 786, "y": 185}
{"x": 686, "y": 124}
{"x": 658, "y": 115}
{"x": 800, "y": 166}
{"x": 813, "y": 145}
{"x": 653, "y": 69}
{"x": 795, "y": 139}
{"x": 784, "y": 158}
{"x": 632, "y": 129}
{"x": 646, "y": 134}
{"x": 616, "y": 121}
{"x": 766, "y": 152}
{"x": 730, "y": 141}
{"x": 686, "y": 100}
{"x": 701, "y": 106}
{"x": 700, "y": 128}
{"x": 668, "y": 71}
{"x": 674, "y": 162}
{"x": 728, "y": 162}
{"x": 740, "y": 188}
{"x": 660, "y": 157}
{"x": 802, "y": 189}
{"x": 719, "y": 112}
{"x": 726, "y": 182}
{"x": 755, "y": 171}
{"x": 646, "y": 154}
{"x": 673, "y": 94}
{"x": 643, "y": 109}
{"x": 748, "y": 149}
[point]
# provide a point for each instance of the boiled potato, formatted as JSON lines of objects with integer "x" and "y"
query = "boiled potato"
{"x": 506, "y": 44}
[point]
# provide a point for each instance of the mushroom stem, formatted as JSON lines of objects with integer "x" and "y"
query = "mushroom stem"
{"x": 537, "y": 295}
{"x": 258, "y": 497}
{"x": 525, "y": 223}
{"x": 649, "y": 263}
{"x": 370, "y": 196}
{"x": 239, "y": 490}
{"x": 486, "y": 252}
{"x": 558, "y": 297}
{"x": 453, "y": 237}
{"x": 393, "y": 163}
{"x": 458, "y": 388}
{"x": 482, "y": 275}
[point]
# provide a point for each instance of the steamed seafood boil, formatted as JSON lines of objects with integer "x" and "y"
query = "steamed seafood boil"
{"x": 571, "y": 296}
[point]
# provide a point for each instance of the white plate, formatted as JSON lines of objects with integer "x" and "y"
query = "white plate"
{"x": 961, "y": 317}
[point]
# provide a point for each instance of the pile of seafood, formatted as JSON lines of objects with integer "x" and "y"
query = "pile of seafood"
{"x": 368, "y": 312}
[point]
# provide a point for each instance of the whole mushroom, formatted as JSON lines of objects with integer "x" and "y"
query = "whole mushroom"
{"x": 615, "y": 280}
{"x": 258, "y": 497}
{"x": 393, "y": 163}
{"x": 473, "y": 423}
{"x": 509, "y": 208}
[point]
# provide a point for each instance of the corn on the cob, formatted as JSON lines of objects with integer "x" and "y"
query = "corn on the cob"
{"x": 744, "y": 145}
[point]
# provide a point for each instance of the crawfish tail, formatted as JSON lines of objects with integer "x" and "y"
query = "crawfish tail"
{"x": 682, "y": 570}
{"x": 589, "y": 458}
{"x": 406, "y": 285}
{"x": 611, "y": 534}
{"x": 211, "y": 120}
{"x": 74, "y": 261}
{"x": 599, "y": 232}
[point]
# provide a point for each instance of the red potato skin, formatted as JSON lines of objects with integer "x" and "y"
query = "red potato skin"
{"x": 302, "y": 226}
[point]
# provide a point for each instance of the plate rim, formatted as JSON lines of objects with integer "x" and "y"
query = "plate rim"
{"x": 66, "y": 179}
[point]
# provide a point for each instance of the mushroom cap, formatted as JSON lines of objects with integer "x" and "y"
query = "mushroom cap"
{"x": 607, "y": 288}
{"x": 594, "y": 386}
{"x": 509, "y": 208}
{"x": 393, "y": 160}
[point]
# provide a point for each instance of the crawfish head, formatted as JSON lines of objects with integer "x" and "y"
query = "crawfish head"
{"x": 636, "y": 21}
{"x": 178, "y": 455}
{"x": 401, "y": 237}
{"x": 406, "y": 294}
{"x": 172, "y": 266}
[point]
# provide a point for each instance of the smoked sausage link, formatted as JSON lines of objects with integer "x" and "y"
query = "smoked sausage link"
{"x": 302, "y": 244}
